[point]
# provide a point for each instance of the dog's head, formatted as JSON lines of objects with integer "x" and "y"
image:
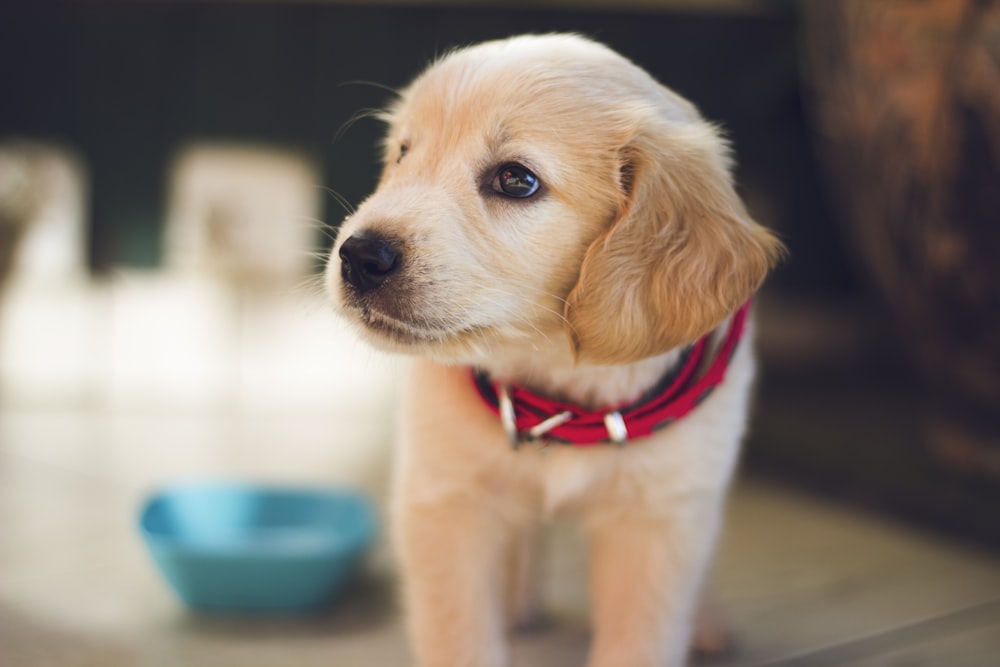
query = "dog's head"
{"x": 544, "y": 187}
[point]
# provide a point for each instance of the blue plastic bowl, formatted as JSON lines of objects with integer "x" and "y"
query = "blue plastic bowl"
{"x": 242, "y": 548}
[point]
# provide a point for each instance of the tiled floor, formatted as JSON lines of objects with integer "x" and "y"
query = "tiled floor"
{"x": 802, "y": 581}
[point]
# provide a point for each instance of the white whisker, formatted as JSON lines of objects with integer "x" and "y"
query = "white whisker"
{"x": 377, "y": 114}
{"x": 340, "y": 199}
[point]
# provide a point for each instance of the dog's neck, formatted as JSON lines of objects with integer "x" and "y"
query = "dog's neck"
{"x": 552, "y": 371}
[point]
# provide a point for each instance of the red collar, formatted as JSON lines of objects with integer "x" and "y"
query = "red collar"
{"x": 528, "y": 417}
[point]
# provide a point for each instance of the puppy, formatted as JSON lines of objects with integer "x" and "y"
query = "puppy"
{"x": 556, "y": 239}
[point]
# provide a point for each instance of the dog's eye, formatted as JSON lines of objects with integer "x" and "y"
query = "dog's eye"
{"x": 514, "y": 180}
{"x": 403, "y": 148}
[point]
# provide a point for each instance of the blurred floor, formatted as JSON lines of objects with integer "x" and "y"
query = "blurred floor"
{"x": 803, "y": 582}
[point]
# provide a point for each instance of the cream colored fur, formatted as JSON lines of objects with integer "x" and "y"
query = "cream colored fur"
{"x": 635, "y": 246}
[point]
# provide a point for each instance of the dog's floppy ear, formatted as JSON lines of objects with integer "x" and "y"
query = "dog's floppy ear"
{"x": 681, "y": 255}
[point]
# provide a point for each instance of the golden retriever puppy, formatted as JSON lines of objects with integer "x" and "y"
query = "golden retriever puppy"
{"x": 556, "y": 239}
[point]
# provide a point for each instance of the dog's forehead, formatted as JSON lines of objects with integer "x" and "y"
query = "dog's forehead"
{"x": 529, "y": 82}
{"x": 543, "y": 83}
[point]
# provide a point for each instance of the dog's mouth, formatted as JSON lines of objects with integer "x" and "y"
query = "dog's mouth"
{"x": 398, "y": 330}
{"x": 461, "y": 343}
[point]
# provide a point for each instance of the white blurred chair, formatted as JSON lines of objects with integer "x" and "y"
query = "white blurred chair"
{"x": 239, "y": 229}
{"x": 231, "y": 317}
{"x": 50, "y": 331}
{"x": 42, "y": 190}
{"x": 243, "y": 214}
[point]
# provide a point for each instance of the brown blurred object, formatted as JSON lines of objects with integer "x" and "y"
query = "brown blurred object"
{"x": 907, "y": 102}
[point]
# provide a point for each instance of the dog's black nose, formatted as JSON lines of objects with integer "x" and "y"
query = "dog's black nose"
{"x": 367, "y": 260}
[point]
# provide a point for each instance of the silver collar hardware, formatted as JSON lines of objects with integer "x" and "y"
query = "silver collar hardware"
{"x": 509, "y": 420}
{"x": 613, "y": 422}
{"x": 540, "y": 429}
{"x": 507, "y": 416}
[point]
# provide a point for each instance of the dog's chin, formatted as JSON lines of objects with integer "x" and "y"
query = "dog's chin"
{"x": 392, "y": 334}
{"x": 397, "y": 332}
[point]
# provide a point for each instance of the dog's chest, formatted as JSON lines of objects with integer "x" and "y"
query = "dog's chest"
{"x": 566, "y": 476}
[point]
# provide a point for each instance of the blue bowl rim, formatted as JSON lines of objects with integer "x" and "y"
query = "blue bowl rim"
{"x": 361, "y": 540}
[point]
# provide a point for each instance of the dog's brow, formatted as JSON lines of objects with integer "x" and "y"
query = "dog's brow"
{"x": 498, "y": 139}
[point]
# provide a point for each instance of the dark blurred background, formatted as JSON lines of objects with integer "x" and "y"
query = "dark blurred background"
{"x": 867, "y": 135}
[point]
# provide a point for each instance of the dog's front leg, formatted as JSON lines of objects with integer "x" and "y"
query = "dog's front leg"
{"x": 645, "y": 576}
{"x": 453, "y": 555}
